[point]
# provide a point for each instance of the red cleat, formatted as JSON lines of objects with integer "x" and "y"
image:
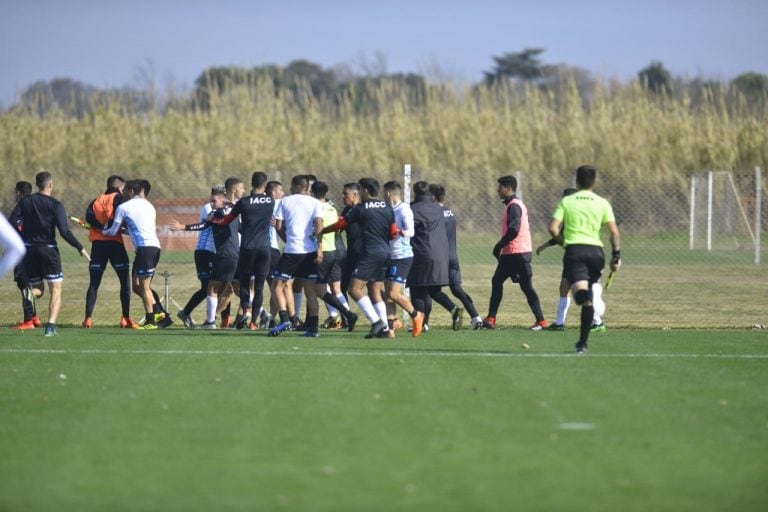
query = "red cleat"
{"x": 539, "y": 326}
{"x": 489, "y": 322}
{"x": 128, "y": 323}
{"x": 87, "y": 323}
{"x": 36, "y": 321}
{"x": 24, "y": 326}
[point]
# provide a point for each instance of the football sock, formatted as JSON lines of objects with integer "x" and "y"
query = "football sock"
{"x": 587, "y": 312}
{"x": 211, "y": 303}
{"x": 367, "y": 307}
{"x": 297, "y": 297}
{"x": 562, "y": 309}
{"x": 597, "y": 300}
{"x": 343, "y": 301}
{"x": 381, "y": 310}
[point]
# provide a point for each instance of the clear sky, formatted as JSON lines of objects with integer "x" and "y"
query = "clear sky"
{"x": 108, "y": 42}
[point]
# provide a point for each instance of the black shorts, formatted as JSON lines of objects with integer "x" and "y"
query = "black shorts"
{"x": 583, "y": 263}
{"x": 107, "y": 251}
{"x": 516, "y": 267}
{"x": 296, "y": 265}
{"x": 325, "y": 268}
{"x": 274, "y": 258}
{"x": 371, "y": 267}
{"x": 204, "y": 264}
{"x": 397, "y": 270}
{"x": 454, "y": 273}
{"x": 146, "y": 260}
{"x": 224, "y": 269}
{"x": 254, "y": 263}
{"x": 43, "y": 262}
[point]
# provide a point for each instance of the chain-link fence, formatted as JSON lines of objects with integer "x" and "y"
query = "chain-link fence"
{"x": 689, "y": 246}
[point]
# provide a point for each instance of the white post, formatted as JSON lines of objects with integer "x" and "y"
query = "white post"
{"x": 709, "y": 210}
{"x": 519, "y": 192}
{"x": 692, "y": 231}
{"x": 407, "y": 184}
{"x": 758, "y": 212}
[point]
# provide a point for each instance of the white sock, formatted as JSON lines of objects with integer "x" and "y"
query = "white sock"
{"x": 343, "y": 301}
{"x": 332, "y": 311}
{"x": 598, "y": 303}
{"x": 211, "y": 303}
{"x": 381, "y": 309}
{"x": 367, "y": 307}
{"x": 562, "y": 309}
{"x": 297, "y": 303}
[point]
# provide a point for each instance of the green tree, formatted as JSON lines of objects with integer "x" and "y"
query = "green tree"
{"x": 752, "y": 85}
{"x": 656, "y": 78}
{"x": 523, "y": 65}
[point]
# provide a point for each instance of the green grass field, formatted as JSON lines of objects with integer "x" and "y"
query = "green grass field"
{"x": 106, "y": 419}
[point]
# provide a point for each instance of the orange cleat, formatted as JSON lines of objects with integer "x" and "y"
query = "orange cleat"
{"x": 36, "y": 321}
{"x": 252, "y": 326}
{"x": 539, "y": 326}
{"x": 128, "y": 323}
{"x": 397, "y": 324}
{"x": 225, "y": 322}
{"x": 24, "y": 326}
{"x": 418, "y": 324}
{"x": 87, "y": 323}
{"x": 489, "y": 322}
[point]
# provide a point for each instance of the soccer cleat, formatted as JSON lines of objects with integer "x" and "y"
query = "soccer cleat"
{"x": 252, "y": 326}
{"x": 418, "y": 324}
{"x": 225, "y": 322}
{"x": 208, "y": 325}
{"x": 310, "y": 334}
{"x": 50, "y": 330}
{"x": 397, "y": 324}
{"x": 127, "y": 322}
{"x": 352, "y": 320}
{"x": 87, "y": 323}
{"x": 148, "y": 327}
{"x": 598, "y": 328}
{"x": 555, "y": 327}
{"x": 332, "y": 322}
{"x": 164, "y": 322}
{"x": 185, "y": 319}
{"x": 376, "y": 329}
{"x": 282, "y": 326}
{"x": 539, "y": 326}
{"x": 297, "y": 324}
{"x": 389, "y": 333}
{"x": 36, "y": 321}
{"x": 489, "y": 322}
{"x": 264, "y": 319}
{"x": 581, "y": 347}
{"x": 243, "y": 321}
{"x": 457, "y": 318}
{"x": 23, "y": 326}
{"x": 477, "y": 323}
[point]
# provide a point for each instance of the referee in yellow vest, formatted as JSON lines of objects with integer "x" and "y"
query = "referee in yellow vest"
{"x": 582, "y": 216}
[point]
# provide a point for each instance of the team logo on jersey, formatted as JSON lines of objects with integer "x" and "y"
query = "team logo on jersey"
{"x": 376, "y": 204}
{"x": 260, "y": 200}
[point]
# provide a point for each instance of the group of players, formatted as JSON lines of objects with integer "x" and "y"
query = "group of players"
{"x": 390, "y": 245}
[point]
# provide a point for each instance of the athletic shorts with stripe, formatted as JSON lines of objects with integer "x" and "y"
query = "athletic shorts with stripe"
{"x": 108, "y": 251}
{"x": 145, "y": 261}
{"x": 296, "y": 265}
{"x": 43, "y": 262}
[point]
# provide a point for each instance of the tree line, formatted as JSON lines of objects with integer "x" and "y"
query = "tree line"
{"x": 312, "y": 82}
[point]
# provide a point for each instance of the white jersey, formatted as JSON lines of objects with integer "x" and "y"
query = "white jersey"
{"x": 400, "y": 247}
{"x": 298, "y": 213}
{"x": 273, "y": 236}
{"x": 12, "y": 244}
{"x": 205, "y": 237}
{"x": 139, "y": 217}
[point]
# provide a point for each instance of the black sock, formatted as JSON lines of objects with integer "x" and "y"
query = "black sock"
{"x": 150, "y": 318}
{"x": 284, "y": 316}
{"x": 313, "y": 324}
{"x": 587, "y": 314}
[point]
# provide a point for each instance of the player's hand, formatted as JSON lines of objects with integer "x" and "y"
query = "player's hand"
{"x": 497, "y": 250}
{"x": 615, "y": 260}
{"x": 319, "y": 258}
{"x": 85, "y": 254}
{"x": 175, "y": 225}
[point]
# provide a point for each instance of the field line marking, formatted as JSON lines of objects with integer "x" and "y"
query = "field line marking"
{"x": 384, "y": 353}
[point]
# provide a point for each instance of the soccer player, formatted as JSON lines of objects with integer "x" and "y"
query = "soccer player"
{"x": 205, "y": 250}
{"x": 40, "y": 215}
{"x": 581, "y": 217}
{"x": 429, "y": 272}
{"x": 105, "y": 250}
{"x": 12, "y": 244}
{"x": 564, "y": 301}
{"x": 31, "y": 320}
{"x": 138, "y": 216}
{"x": 513, "y": 253}
{"x": 255, "y": 212}
{"x": 328, "y": 283}
{"x": 401, "y": 260}
{"x": 277, "y": 192}
{"x": 300, "y": 217}
{"x": 454, "y": 269}
{"x": 377, "y": 228}
{"x": 351, "y": 197}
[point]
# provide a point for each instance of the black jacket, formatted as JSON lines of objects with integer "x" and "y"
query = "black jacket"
{"x": 430, "y": 245}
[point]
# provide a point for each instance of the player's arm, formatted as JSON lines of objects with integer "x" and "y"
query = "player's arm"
{"x": 90, "y": 217}
{"x": 407, "y": 229}
{"x": 336, "y": 226}
{"x": 319, "y": 238}
{"x": 175, "y": 225}
{"x": 114, "y": 225}
{"x": 615, "y": 245}
{"x": 514, "y": 217}
{"x": 60, "y": 217}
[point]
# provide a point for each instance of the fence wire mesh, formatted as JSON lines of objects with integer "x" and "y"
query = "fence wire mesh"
{"x": 689, "y": 248}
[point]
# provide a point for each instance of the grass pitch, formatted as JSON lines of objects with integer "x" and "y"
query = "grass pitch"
{"x": 106, "y": 419}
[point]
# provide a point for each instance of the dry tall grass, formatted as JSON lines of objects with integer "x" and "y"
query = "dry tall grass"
{"x": 643, "y": 143}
